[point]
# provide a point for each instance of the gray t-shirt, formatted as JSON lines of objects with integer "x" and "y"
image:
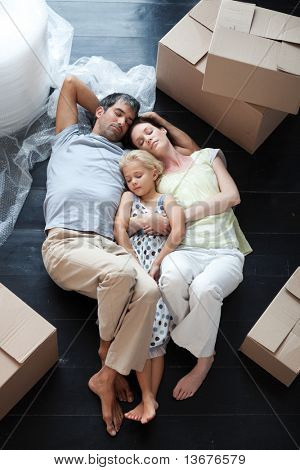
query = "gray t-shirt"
{"x": 84, "y": 183}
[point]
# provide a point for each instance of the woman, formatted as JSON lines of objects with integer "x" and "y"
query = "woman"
{"x": 208, "y": 264}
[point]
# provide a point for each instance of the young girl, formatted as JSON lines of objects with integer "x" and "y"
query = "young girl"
{"x": 142, "y": 171}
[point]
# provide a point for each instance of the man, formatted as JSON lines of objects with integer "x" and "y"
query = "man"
{"x": 84, "y": 187}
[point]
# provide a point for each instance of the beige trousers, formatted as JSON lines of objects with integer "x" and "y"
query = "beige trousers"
{"x": 97, "y": 267}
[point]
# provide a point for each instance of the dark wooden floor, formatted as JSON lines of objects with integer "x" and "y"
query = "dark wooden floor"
{"x": 240, "y": 406}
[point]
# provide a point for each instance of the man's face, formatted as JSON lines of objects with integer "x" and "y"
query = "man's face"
{"x": 115, "y": 121}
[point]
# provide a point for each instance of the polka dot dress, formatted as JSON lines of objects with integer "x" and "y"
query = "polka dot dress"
{"x": 147, "y": 247}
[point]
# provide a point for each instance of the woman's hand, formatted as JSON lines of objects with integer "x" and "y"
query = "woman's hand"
{"x": 155, "y": 271}
{"x": 156, "y": 224}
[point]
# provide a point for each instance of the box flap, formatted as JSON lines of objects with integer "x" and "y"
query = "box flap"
{"x": 247, "y": 33}
{"x": 206, "y": 13}
{"x": 22, "y": 330}
{"x": 289, "y": 58}
{"x": 289, "y": 353}
{"x": 242, "y": 47}
{"x": 270, "y": 331}
{"x": 277, "y": 322}
{"x": 236, "y": 15}
{"x": 189, "y": 39}
{"x": 274, "y": 25}
{"x": 293, "y": 284}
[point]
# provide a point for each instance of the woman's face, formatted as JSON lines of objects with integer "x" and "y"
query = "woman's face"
{"x": 145, "y": 136}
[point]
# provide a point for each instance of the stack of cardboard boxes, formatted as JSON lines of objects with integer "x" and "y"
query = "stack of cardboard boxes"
{"x": 236, "y": 66}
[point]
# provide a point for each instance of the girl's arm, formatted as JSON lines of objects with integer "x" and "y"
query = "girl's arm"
{"x": 176, "y": 218}
{"x": 221, "y": 202}
{"x": 122, "y": 222}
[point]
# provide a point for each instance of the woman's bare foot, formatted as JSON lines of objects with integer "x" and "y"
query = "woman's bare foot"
{"x": 189, "y": 384}
{"x": 145, "y": 411}
{"x": 102, "y": 384}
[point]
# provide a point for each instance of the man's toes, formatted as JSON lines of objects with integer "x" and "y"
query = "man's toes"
{"x": 110, "y": 427}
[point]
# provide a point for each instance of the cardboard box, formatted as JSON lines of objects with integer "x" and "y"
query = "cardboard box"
{"x": 254, "y": 56}
{"x": 181, "y": 65}
{"x": 28, "y": 348}
{"x": 274, "y": 341}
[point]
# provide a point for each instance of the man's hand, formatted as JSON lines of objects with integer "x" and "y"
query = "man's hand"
{"x": 152, "y": 115}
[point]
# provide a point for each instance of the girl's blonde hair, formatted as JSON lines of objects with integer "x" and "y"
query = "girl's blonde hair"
{"x": 146, "y": 158}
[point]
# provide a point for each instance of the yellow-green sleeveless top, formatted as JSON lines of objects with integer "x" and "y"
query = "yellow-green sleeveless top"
{"x": 198, "y": 183}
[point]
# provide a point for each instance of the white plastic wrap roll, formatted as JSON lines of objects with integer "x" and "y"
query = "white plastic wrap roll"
{"x": 24, "y": 66}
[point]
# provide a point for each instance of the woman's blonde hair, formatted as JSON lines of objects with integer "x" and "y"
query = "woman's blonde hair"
{"x": 146, "y": 158}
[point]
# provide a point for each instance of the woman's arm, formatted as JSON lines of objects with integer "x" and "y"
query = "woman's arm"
{"x": 176, "y": 217}
{"x": 122, "y": 222}
{"x": 181, "y": 141}
{"x": 221, "y": 202}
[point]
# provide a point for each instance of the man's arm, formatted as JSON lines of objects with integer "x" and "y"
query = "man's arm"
{"x": 221, "y": 202}
{"x": 73, "y": 92}
{"x": 121, "y": 223}
{"x": 181, "y": 141}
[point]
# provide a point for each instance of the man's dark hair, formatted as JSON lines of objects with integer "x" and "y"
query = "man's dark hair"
{"x": 138, "y": 120}
{"x": 110, "y": 100}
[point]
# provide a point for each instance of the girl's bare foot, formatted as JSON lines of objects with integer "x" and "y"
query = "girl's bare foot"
{"x": 189, "y": 384}
{"x": 137, "y": 413}
{"x": 150, "y": 407}
{"x": 145, "y": 411}
{"x": 111, "y": 410}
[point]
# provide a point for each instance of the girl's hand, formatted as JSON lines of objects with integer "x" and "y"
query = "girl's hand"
{"x": 155, "y": 271}
{"x": 156, "y": 224}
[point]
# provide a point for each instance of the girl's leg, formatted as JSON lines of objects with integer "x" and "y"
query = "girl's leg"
{"x": 158, "y": 364}
{"x": 146, "y": 410}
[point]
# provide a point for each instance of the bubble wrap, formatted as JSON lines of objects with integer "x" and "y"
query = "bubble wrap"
{"x": 20, "y": 152}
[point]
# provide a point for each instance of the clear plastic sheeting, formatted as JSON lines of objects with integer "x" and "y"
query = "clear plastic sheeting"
{"x": 105, "y": 77}
{"x": 20, "y": 152}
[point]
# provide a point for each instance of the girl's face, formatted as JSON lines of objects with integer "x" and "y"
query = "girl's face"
{"x": 145, "y": 136}
{"x": 140, "y": 180}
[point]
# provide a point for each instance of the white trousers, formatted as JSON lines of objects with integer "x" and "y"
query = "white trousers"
{"x": 193, "y": 284}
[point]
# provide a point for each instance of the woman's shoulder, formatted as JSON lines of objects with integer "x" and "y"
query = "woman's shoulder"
{"x": 207, "y": 155}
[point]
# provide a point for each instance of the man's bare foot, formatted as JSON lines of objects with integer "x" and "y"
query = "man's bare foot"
{"x": 123, "y": 391}
{"x": 111, "y": 410}
{"x": 145, "y": 411}
{"x": 189, "y": 384}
